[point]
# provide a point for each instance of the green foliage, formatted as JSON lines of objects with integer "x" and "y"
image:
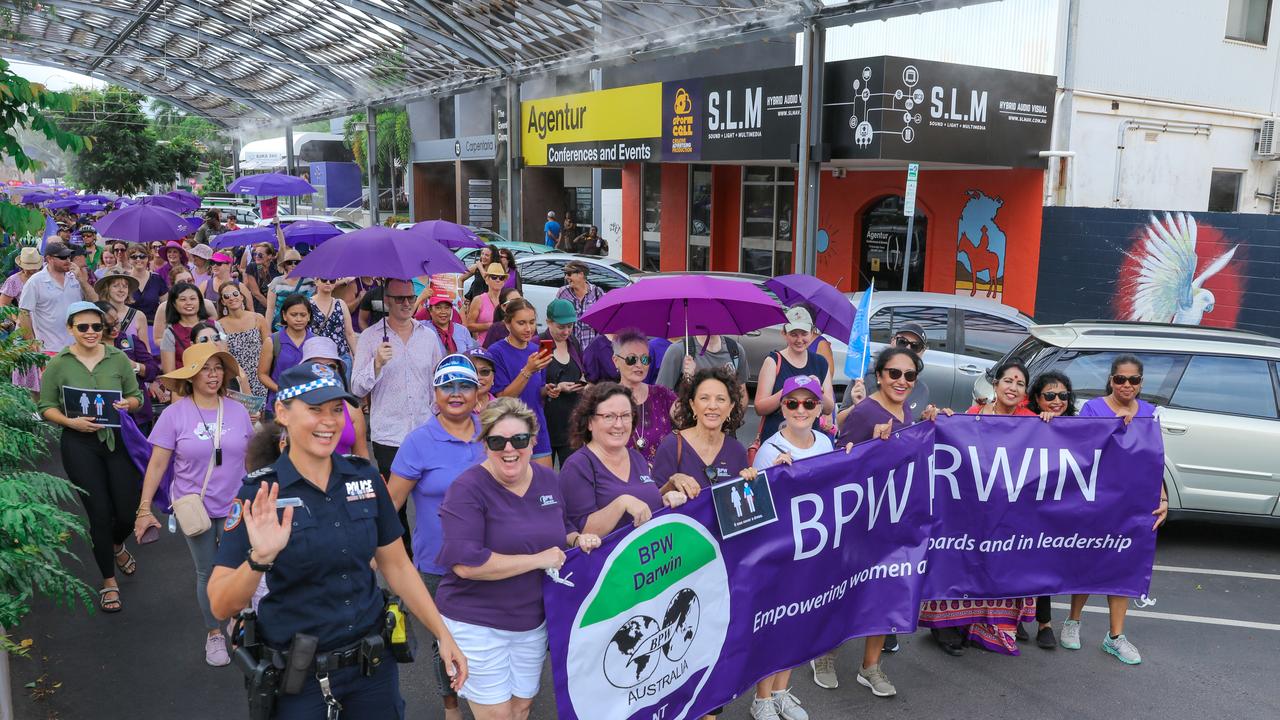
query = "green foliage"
{"x": 34, "y": 528}
{"x": 24, "y": 104}
{"x": 394, "y": 139}
{"x": 215, "y": 181}
{"x": 128, "y": 152}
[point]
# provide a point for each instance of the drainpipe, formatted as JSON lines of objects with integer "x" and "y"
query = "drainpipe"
{"x": 1183, "y": 128}
{"x": 1061, "y": 194}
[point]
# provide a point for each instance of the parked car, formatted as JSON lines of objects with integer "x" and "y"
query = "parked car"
{"x": 1218, "y": 393}
{"x": 518, "y": 249}
{"x": 342, "y": 224}
{"x": 246, "y": 215}
{"x": 542, "y": 276}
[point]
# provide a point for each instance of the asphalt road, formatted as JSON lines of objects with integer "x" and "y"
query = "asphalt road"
{"x": 1209, "y": 647}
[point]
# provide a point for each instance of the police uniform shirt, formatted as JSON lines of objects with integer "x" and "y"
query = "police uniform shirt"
{"x": 321, "y": 583}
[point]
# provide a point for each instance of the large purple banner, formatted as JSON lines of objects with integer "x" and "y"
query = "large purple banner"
{"x": 669, "y": 621}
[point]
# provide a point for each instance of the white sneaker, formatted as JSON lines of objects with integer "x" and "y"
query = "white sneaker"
{"x": 1124, "y": 650}
{"x": 1070, "y": 635}
{"x": 788, "y": 706}
{"x": 764, "y": 710}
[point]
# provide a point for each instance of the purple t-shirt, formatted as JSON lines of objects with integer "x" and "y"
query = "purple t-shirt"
{"x": 479, "y": 517}
{"x": 863, "y": 419}
{"x": 730, "y": 461}
{"x": 597, "y": 360}
{"x": 653, "y": 424}
{"x": 290, "y": 355}
{"x": 432, "y": 458}
{"x": 508, "y": 361}
{"x": 588, "y": 486}
{"x": 188, "y": 431}
{"x": 1098, "y": 407}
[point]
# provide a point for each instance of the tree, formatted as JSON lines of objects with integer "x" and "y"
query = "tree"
{"x": 128, "y": 153}
{"x": 394, "y": 139}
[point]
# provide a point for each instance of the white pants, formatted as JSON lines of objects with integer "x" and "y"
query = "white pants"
{"x": 501, "y": 664}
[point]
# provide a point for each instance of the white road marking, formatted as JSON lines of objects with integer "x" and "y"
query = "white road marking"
{"x": 1207, "y": 571}
{"x": 1180, "y": 618}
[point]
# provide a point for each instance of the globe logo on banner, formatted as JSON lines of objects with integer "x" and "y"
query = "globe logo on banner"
{"x": 652, "y": 627}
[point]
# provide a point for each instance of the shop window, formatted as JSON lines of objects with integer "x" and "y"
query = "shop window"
{"x": 884, "y": 239}
{"x": 1247, "y": 20}
{"x": 1224, "y": 190}
{"x": 700, "y": 217}
{"x": 448, "y": 120}
{"x": 651, "y": 219}
{"x": 767, "y": 208}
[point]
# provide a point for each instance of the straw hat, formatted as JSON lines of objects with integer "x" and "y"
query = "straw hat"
{"x": 495, "y": 269}
{"x": 193, "y": 359}
{"x": 114, "y": 273}
{"x": 29, "y": 259}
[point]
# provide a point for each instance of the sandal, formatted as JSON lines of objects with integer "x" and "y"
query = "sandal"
{"x": 109, "y": 606}
{"x": 130, "y": 565}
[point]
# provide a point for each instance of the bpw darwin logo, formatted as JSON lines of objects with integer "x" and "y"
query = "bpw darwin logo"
{"x": 650, "y": 632}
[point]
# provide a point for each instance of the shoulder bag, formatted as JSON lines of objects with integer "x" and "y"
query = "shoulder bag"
{"x": 189, "y": 509}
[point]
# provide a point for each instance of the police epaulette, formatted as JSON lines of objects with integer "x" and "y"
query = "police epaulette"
{"x": 359, "y": 461}
{"x": 259, "y": 475}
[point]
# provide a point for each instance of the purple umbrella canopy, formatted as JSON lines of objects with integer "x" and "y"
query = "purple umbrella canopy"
{"x": 193, "y": 223}
{"x": 378, "y": 252}
{"x": 244, "y": 236}
{"x": 166, "y": 202}
{"x": 449, "y": 234}
{"x": 143, "y": 223}
{"x": 94, "y": 198}
{"x": 309, "y": 232}
{"x": 66, "y": 204}
{"x": 271, "y": 185}
{"x": 832, "y": 311}
{"x": 672, "y": 306}
{"x": 88, "y": 208}
{"x": 35, "y": 198}
{"x": 190, "y": 200}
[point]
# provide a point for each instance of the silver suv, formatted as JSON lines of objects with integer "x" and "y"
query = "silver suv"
{"x": 1219, "y": 398}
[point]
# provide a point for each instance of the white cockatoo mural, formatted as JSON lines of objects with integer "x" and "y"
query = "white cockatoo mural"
{"x": 1165, "y": 286}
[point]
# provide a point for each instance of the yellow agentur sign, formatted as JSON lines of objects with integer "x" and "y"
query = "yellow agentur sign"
{"x": 619, "y": 125}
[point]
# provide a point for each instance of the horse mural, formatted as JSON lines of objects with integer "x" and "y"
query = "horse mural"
{"x": 980, "y": 246}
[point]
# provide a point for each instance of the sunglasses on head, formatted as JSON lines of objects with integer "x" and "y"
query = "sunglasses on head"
{"x": 895, "y": 373}
{"x": 1051, "y": 396}
{"x": 633, "y": 359}
{"x": 519, "y": 441}
{"x": 1126, "y": 379}
{"x": 208, "y": 338}
{"x": 89, "y": 327}
{"x": 794, "y": 404}
{"x": 912, "y": 345}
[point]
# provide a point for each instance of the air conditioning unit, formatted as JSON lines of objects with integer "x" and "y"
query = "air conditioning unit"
{"x": 1268, "y": 143}
{"x": 1275, "y": 195}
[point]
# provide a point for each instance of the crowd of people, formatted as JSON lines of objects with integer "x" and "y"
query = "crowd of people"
{"x": 297, "y": 417}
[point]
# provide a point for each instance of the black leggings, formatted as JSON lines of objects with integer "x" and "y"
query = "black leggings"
{"x": 384, "y": 455}
{"x": 110, "y": 488}
{"x": 1044, "y": 611}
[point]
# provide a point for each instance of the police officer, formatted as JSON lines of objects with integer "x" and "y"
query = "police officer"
{"x": 310, "y": 523}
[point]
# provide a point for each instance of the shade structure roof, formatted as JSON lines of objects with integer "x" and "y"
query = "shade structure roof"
{"x": 252, "y": 61}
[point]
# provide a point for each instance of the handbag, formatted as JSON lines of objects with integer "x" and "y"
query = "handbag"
{"x": 189, "y": 509}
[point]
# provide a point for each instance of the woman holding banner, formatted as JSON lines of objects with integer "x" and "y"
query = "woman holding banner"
{"x": 989, "y": 624}
{"x": 1120, "y": 401}
{"x": 879, "y": 415}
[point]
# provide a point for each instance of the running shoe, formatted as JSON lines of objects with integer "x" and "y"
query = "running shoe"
{"x": 764, "y": 710}
{"x": 874, "y": 678}
{"x": 1124, "y": 650}
{"x": 1071, "y": 634}
{"x": 215, "y": 650}
{"x": 824, "y": 671}
{"x": 788, "y": 706}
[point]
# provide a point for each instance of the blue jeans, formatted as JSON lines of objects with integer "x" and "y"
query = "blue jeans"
{"x": 203, "y": 547}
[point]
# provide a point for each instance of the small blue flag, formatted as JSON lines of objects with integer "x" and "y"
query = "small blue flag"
{"x": 858, "y": 358}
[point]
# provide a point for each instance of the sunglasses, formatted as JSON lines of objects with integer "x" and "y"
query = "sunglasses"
{"x": 633, "y": 359}
{"x": 406, "y": 299}
{"x": 88, "y": 327}
{"x": 230, "y": 294}
{"x": 1051, "y": 396}
{"x": 210, "y": 338}
{"x": 218, "y": 263}
{"x": 895, "y": 373}
{"x": 519, "y": 441}
{"x": 137, "y": 257}
{"x": 1126, "y": 379}
{"x": 496, "y": 277}
{"x": 793, "y": 404}
{"x": 913, "y": 345}
{"x": 289, "y": 263}
{"x": 484, "y": 372}
{"x": 259, "y": 254}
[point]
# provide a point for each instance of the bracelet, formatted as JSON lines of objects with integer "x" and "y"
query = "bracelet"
{"x": 143, "y": 512}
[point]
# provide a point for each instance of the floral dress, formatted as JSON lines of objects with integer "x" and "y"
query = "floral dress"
{"x": 331, "y": 326}
{"x": 246, "y": 348}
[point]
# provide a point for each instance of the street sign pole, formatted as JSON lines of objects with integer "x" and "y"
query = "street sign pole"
{"x": 909, "y": 209}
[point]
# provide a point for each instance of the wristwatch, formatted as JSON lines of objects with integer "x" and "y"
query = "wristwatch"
{"x": 257, "y": 566}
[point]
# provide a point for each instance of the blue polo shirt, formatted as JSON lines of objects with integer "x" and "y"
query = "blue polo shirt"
{"x": 321, "y": 583}
{"x": 432, "y": 459}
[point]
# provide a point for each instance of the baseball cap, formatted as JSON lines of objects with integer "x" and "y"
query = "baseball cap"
{"x": 914, "y": 329}
{"x": 80, "y": 306}
{"x": 455, "y": 368}
{"x": 561, "y": 312}
{"x": 807, "y": 383}
{"x": 798, "y": 319}
{"x": 61, "y": 250}
{"x": 479, "y": 353}
{"x": 312, "y": 383}
{"x": 551, "y": 213}
{"x": 439, "y": 296}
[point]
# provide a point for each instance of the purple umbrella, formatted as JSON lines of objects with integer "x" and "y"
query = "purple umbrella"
{"x": 448, "y": 234}
{"x": 244, "y": 236}
{"x": 144, "y": 224}
{"x": 35, "y": 198}
{"x": 94, "y": 198}
{"x": 193, "y": 223}
{"x": 272, "y": 185}
{"x": 190, "y": 200}
{"x": 88, "y": 208}
{"x": 832, "y": 311}
{"x": 378, "y": 252}
{"x": 166, "y": 202}
{"x": 670, "y": 306}
{"x": 308, "y": 232}
{"x": 62, "y": 204}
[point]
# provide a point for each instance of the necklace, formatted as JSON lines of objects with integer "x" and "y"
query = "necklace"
{"x": 640, "y": 441}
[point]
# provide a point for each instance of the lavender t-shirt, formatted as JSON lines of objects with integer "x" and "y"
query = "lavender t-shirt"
{"x": 588, "y": 486}
{"x": 508, "y": 361}
{"x": 479, "y": 517}
{"x": 1098, "y": 407}
{"x": 188, "y": 431}
{"x": 730, "y": 461}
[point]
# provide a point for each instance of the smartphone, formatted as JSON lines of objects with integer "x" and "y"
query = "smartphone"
{"x": 547, "y": 346}
{"x": 150, "y": 535}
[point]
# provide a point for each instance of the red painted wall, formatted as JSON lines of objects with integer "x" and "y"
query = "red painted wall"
{"x": 726, "y": 217}
{"x": 674, "y": 224}
{"x": 631, "y": 200}
{"x": 942, "y": 196}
